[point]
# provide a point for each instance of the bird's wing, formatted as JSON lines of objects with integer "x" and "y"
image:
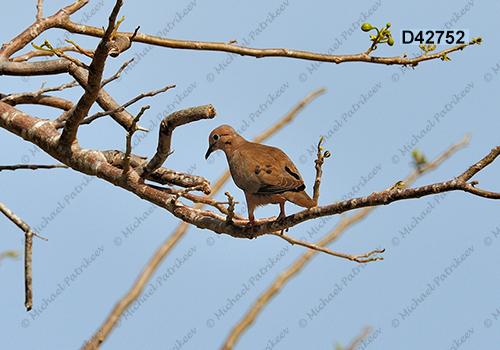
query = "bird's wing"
{"x": 265, "y": 170}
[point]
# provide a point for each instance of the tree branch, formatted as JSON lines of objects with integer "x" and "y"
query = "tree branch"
{"x": 28, "y": 248}
{"x": 259, "y": 53}
{"x": 38, "y": 53}
{"x": 45, "y": 136}
{"x": 90, "y": 95}
{"x": 104, "y": 100}
{"x": 32, "y": 166}
{"x": 14, "y": 99}
{"x": 90, "y": 119}
{"x": 161, "y": 175}
{"x": 360, "y": 258}
{"x": 42, "y": 24}
{"x": 167, "y": 126}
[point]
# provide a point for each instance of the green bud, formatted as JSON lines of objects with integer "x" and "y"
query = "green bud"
{"x": 366, "y": 27}
{"x": 390, "y": 41}
{"x": 388, "y": 25}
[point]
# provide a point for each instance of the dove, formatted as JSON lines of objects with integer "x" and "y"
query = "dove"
{"x": 264, "y": 173}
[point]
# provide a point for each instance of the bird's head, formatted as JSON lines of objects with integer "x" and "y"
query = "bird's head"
{"x": 224, "y": 138}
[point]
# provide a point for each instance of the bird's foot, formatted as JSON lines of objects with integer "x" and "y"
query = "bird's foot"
{"x": 284, "y": 230}
{"x": 250, "y": 225}
{"x": 282, "y": 216}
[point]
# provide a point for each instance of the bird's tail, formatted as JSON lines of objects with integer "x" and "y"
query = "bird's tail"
{"x": 300, "y": 198}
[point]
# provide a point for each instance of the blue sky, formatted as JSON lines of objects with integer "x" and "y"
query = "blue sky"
{"x": 437, "y": 286}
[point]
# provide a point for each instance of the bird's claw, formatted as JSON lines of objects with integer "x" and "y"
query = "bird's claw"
{"x": 250, "y": 224}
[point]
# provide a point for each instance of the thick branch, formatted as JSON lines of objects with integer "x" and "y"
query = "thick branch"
{"x": 44, "y": 100}
{"x": 161, "y": 175}
{"x": 104, "y": 100}
{"x": 44, "y": 135}
{"x": 56, "y": 66}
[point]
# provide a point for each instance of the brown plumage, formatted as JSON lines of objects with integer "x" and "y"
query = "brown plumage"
{"x": 264, "y": 173}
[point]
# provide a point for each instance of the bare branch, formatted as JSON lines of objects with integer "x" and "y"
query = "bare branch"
{"x": 26, "y": 69}
{"x": 125, "y": 105}
{"x": 319, "y": 171}
{"x": 136, "y": 289}
{"x": 32, "y": 166}
{"x": 41, "y": 25}
{"x": 117, "y": 74}
{"x": 12, "y": 98}
{"x": 126, "y": 158}
{"x": 167, "y": 126}
{"x": 39, "y": 10}
{"x": 104, "y": 100}
{"x": 38, "y": 53}
{"x": 360, "y": 258}
{"x": 44, "y": 135}
{"x": 259, "y": 53}
{"x": 473, "y": 170}
{"x": 28, "y": 247}
{"x": 162, "y": 175}
{"x": 469, "y": 187}
{"x": 90, "y": 95}
{"x": 44, "y": 100}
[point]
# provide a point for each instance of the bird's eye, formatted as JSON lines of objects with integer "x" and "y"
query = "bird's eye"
{"x": 216, "y": 137}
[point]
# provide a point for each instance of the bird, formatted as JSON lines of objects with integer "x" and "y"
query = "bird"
{"x": 264, "y": 173}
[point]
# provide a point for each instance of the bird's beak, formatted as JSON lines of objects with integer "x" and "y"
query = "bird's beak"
{"x": 210, "y": 150}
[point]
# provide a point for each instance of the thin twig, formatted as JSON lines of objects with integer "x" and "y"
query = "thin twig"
{"x": 136, "y": 289}
{"x": 117, "y": 74}
{"x": 128, "y": 151}
{"x": 37, "y": 53}
{"x": 319, "y": 171}
{"x": 17, "y": 220}
{"x": 34, "y": 94}
{"x": 32, "y": 166}
{"x": 39, "y": 10}
{"x": 360, "y": 258}
{"x": 93, "y": 117}
{"x": 364, "y": 334}
{"x": 28, "y": 247}
{"x": 198, "y": 199}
